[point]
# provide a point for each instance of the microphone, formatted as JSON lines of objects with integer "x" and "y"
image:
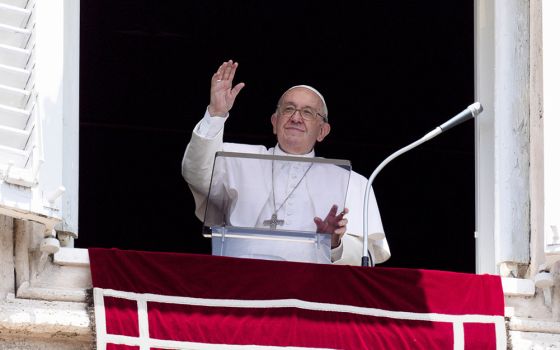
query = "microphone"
{"x": 470, "y": 112}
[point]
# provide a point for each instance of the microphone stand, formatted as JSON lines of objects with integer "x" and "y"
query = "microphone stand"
{"x": 471, "y": 111}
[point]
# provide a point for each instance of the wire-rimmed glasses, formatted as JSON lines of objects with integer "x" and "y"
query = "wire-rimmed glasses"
{"x": 306, "y": 113}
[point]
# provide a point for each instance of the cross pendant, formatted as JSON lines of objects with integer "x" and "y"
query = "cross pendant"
{"x": 273, "y": 222}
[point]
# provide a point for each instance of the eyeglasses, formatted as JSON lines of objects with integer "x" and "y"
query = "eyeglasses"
{"x": 306, "y": 113}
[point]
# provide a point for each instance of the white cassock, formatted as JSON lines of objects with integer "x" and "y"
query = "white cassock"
{"x": 292, "y": 196}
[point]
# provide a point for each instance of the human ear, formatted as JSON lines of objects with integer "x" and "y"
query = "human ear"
{"x": 324, "y": 130}
{"x": 273, "y": 120}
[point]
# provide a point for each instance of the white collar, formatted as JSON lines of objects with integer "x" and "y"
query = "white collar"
{"x": 279, "y": 152}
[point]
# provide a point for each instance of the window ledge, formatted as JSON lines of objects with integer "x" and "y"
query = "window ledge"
{"x": 72, "y": 257}
{"x": 518, "y": 287}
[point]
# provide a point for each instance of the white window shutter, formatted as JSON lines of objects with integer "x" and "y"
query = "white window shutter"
{"x": 39, "y": 75}
{"x": 18, "y": 136}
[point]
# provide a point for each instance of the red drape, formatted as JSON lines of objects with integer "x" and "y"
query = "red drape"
{"x": 169, "y": 300}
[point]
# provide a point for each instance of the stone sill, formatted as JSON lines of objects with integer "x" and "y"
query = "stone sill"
{"x": 67, "y": 279}
{"x": 72, "y": 257}
{"x": 518, "y": 287}
{"x": 533, "y": 326}
{"x": 45, "y": 319}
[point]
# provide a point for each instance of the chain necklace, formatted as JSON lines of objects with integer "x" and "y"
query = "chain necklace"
{"x": 274, "y": 221}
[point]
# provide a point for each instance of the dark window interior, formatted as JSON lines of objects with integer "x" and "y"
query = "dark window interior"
{"x": 391, "y": 71}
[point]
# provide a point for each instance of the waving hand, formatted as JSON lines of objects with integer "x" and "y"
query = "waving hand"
{"x": 222, "y": 92}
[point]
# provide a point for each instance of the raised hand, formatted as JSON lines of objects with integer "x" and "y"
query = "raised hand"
{"x": 334, "y": 224}
{"x": 222, "y": 95}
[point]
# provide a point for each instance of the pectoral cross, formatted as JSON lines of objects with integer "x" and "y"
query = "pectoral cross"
{"x": 273, "y": 222}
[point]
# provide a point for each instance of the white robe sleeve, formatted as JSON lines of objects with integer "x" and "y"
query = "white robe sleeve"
{"x": 198, "y": 161}
{"x": 352, "y": 240}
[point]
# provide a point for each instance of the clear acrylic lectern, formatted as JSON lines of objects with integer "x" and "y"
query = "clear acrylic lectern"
{"x": 263, "y": 206}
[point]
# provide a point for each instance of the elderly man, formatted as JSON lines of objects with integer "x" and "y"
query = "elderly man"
{"x": 299, "y": 121}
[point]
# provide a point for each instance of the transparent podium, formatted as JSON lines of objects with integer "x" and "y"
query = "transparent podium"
{"x": 264, "y": 206}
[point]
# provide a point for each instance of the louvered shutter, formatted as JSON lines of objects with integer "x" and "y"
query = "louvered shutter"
{"x": 39, "y": 46}
{"x": 19, "y": 137}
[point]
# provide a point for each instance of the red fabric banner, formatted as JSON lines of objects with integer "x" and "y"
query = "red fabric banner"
{"x": 180, "y": 301}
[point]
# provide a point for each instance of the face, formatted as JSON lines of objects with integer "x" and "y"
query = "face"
{"x": 295, "y": 134}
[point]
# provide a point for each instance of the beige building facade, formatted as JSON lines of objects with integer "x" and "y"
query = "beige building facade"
{"x": 45, "y": 282}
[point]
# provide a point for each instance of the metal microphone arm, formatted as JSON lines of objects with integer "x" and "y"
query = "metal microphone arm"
{"x": 471, "y": 111}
